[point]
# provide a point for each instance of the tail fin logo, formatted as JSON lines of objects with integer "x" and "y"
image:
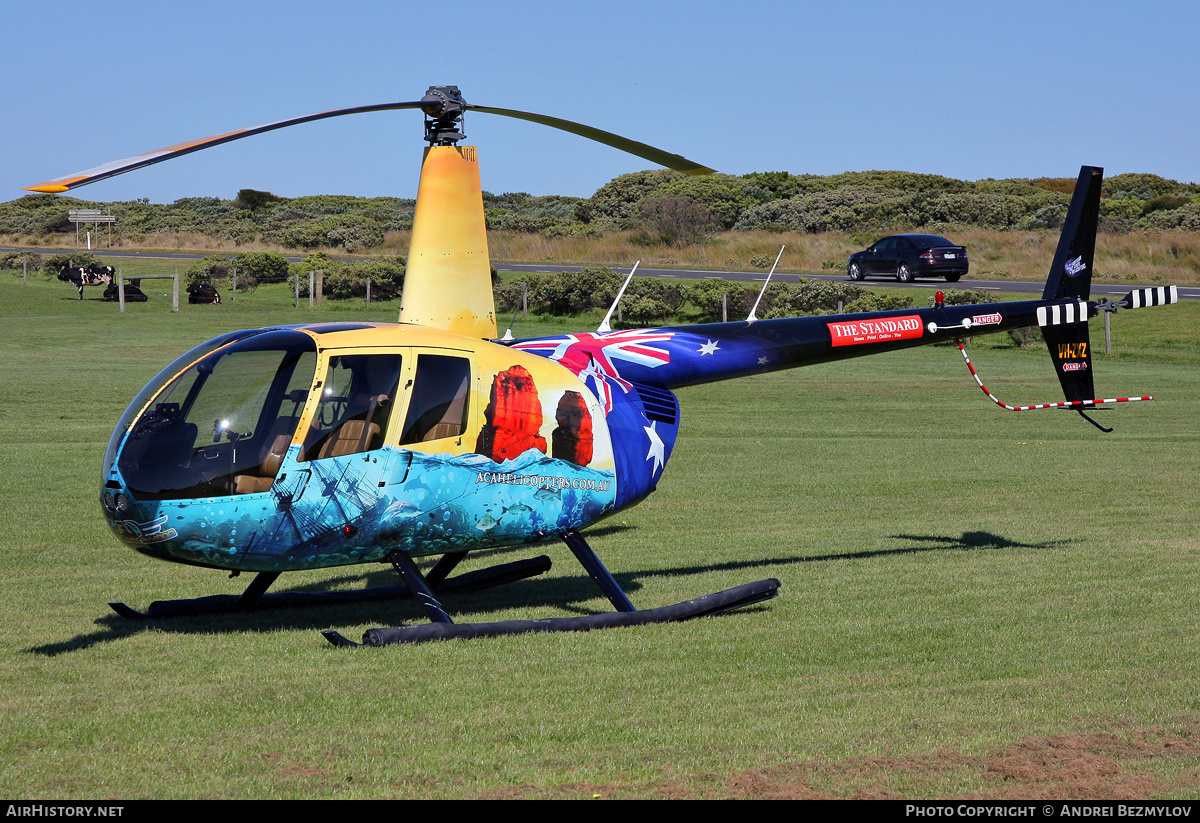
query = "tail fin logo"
{"x": 1075, "y": 267}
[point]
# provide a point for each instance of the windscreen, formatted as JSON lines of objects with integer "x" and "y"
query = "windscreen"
{"x": 220, "y": 419}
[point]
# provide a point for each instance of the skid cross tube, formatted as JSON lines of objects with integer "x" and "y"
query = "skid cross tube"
{"x": 419, "y": 588}
{"x": 588, "y": 559}
{"x": 446, "y": 564}
{"x": 258, "y": 586}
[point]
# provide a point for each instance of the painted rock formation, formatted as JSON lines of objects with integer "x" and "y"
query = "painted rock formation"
{"x": 572, "y": 440}
{"x": 513, "y": 417}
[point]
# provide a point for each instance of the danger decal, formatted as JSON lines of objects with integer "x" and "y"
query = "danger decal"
{"x": 986, "y": 319}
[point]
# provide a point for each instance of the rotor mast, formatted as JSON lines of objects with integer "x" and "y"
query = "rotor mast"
{"x": 448, "y": 279}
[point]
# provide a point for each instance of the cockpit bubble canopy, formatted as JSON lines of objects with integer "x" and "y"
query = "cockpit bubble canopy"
{"x": 216, "y": 413}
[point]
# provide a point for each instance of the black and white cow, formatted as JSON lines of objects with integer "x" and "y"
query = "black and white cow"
{"x": 93, "y": 274}
{"x": 199, "y": 292}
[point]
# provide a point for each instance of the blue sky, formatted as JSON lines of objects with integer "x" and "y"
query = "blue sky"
{"x": 968, "y": 90}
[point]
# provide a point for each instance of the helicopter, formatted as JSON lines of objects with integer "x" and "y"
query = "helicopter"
{"x": 318, "y": 445}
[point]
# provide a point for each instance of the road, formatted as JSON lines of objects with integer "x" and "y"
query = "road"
{"x": 1111, "y": 290}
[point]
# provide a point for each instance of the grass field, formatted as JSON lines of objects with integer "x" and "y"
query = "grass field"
{"x": 973, "y": 602}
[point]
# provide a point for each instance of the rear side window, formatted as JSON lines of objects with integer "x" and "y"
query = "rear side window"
{"x": 438, "y": 407}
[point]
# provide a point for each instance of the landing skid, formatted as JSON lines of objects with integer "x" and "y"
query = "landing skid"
{"x": 255, "y": 597}
{"x": 442, "y": 628}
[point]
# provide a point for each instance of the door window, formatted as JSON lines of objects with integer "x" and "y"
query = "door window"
{"x": 356, "y": 401}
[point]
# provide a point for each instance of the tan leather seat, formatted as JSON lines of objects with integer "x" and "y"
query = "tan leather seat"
{"x": 351, "y": 437}
{"x": 451, "y": 424}
{"x": 249, "y": 483}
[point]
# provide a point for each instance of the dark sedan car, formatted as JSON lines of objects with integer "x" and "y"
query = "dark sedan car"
{"x": 908, "y": 256}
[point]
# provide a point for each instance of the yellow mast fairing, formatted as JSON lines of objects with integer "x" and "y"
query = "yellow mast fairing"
{"x": 448, "y": 280}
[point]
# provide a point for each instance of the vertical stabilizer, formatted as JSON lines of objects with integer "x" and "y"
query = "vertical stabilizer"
{"x": 1071, "y": 272}
{"x": 1065, "y": 327}
{"x": 448, "y": 279}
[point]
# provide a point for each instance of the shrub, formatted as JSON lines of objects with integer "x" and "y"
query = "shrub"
{"x": 617, "y": 200}
{"x": 317, "y": 261}
{"x": 824, "y": 297}
{"x": 349, "y": 280}
{"x": 1186, "y": 218}
{"x": 569, "y": 230}
{"x": 355, "y": 233}
{"x": 508, "y": 295}
{"x": 263, "y": 266}
{"x": 252, "y": 199}
{"x": 211, "y": 269}
{"x": 963, "y": 297}
{"x": 725, "y": 197}
{"x": 54, "y": 263}
{"x": 649, "y": 299}
{"x": 833, "y": 210}
{"x": 57, "y": 224}
{"x": 1143, "y": 186}
{"x": 1047, "y": 217}
{"x": 1062, "y": 185}
{"x": 551, "y": 215}
{"x": 1164, "y": 202}
{"x": 1027, "y": 338}
{"x": 566, "y": 293}
{"x": 873, "y": 301}
{"x": 673, "y": 220}
{"x": 644, "y": 310}
{"x": 706, "y": 295}
{"x": 18, "y": 260}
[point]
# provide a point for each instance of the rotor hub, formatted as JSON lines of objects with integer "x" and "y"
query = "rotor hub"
{"x": 443, "y": 107}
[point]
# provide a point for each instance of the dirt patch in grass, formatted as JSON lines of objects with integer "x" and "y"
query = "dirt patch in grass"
{"x": 1091, "y": 766}
{"x": 1095, "y": 766}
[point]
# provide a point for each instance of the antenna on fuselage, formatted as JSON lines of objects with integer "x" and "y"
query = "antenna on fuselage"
{"x": 604, "y": 323}
{"x": 508, "y": 335}
{"x": 752, "y": 317}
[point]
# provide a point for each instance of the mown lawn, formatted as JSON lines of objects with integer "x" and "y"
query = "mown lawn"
{"x": 961, "y": 586}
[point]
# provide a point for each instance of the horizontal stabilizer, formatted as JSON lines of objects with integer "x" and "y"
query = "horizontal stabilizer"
{"x": 1061, "y": 314}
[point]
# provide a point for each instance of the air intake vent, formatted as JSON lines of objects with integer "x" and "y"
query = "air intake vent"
{"x": 660, "y": 404}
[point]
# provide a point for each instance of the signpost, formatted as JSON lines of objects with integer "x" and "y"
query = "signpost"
{"x": 78, "y": 216}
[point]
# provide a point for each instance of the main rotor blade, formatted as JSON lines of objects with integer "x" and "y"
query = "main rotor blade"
{"x": 662, "y": 158}
{"x": 73, "y": 181}
{"x": 83, "y": 178}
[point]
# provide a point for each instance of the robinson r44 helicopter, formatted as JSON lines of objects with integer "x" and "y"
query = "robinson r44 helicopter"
{"x": 328, "y": 444}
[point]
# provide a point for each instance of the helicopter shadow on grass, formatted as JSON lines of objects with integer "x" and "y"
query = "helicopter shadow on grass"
{"x": 566, "y": 593}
